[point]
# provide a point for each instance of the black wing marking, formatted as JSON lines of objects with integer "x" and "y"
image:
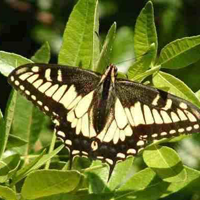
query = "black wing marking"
{"x": 46, "y": 85}
{"x": 65, "y": 94}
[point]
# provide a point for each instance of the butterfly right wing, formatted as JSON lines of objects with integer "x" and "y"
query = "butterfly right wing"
{"x": 154, "y": 114}
{"x": 140, "y": 115}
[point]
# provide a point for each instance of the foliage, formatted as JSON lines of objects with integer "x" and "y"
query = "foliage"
{"x": 27, "y": 171}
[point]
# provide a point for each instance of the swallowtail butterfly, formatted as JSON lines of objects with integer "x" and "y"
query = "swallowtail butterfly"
{"x": 102, "y": 116}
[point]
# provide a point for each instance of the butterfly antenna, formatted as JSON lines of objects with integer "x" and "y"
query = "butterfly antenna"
{"x": 135, "y": 59}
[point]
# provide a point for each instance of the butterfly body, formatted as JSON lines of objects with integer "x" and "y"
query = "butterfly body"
{"x": 102, "y": 116}
{"x": 105, "y": 98}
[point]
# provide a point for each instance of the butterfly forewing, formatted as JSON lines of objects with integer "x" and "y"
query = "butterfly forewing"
{"x": 51, "y": 87}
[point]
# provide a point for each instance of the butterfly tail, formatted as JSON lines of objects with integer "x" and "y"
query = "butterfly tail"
{"x": 110, "y": 171}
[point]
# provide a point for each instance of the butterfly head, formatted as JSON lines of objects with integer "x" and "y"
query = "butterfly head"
{"x": 112, "y": 69}
{"x": 110, "y": 73}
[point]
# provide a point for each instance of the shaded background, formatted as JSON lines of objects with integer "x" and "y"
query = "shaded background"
{"x": 26, "y": 25}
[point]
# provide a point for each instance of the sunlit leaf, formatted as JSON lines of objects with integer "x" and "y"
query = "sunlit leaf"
{"x": 7, "y": 193}
{"x": 165, "y": 162}
{"x": 104, "y": 59}
{"x": 48, "y": 182}
{"x": 142, "y": 64}
{"x": 80, "y": 41}
{"x": 180, "y": 53}
{"x": 14, "y": 141}
{"x": 42, "y": 55}
{"x": 145, "y": 31}
{"x": 9, "y": 61}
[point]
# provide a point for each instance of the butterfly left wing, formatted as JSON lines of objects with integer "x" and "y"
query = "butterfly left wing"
{"x": 65, "y": 94}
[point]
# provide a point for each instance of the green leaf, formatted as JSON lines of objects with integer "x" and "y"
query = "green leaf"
{"x": 47, "y": 157}
{"x": 121, "y": 75}
{"x": 142, "y": 64}
{"x": 79, "y": 164}
{"x": 141, "y": 77}
{"x": 120, "y": 173}
{"x": 8, "y": 167}
{"x": 7, "y": 194}
{"x": 175, "y": 86}
{"x": 35, "y": 164}
{"x": 139, "y": 180}
{"x": 49, "y": 182}
{"x": 3, "y": 137}
{"x": 15, "y": 166}
{"x": 180, "y": 53}
{"x": 146, "y": 185}
{"x": 6, "y": 124}
{"x": 9, "y": 61}
{"x": 42, "y": 55}
{"x": 14, "y": 141}
{"x": 26, "y": 124}
{"x": 198, "y": 94}
{"x": 165, "y": 162}
{"x": 190, "y": 183}
{"x": 97, "y": 176}
{"x": 27, "y": 169}
{"x": 104, "y": 59}
{"x": 79, "y": 196}
{"x": 145, "y": 31}
{"x": 80, "y": 41}
{"x": 142, "y": 186}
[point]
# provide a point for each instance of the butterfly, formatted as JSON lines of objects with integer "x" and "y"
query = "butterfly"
{"x": 102, "y": 116}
